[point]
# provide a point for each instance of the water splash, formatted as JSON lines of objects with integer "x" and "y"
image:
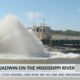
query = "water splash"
{"x": 16, "y": 40}
{"x": 62, "y": 55}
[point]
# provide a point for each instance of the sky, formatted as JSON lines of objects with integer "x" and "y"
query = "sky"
{"x": 58, "y": 14}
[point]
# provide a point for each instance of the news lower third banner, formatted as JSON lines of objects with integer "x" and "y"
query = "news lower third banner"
{"x": 39, "y": 70}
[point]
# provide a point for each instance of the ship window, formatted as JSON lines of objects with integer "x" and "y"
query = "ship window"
{"x": 37, "y": 29}
{"x": 44, "y": 30}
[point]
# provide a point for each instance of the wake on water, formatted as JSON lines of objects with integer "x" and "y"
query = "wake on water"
{"x": 17, "y": 43}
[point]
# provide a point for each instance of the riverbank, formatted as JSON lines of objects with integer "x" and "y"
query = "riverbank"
{"x": 42, "y": 61}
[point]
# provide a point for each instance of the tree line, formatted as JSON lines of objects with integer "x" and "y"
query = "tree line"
{"x": 67, "y": 32}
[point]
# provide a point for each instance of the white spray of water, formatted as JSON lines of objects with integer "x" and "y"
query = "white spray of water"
{"x": 17, "y": 43}
{"x": 16, "y": 40}
{"x": 62, "y": 55}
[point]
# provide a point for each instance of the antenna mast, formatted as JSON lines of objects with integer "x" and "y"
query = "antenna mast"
{"x": 43, "y": 21}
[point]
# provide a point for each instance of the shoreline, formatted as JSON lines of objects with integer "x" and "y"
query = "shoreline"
{"x": 46, "y": 61}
